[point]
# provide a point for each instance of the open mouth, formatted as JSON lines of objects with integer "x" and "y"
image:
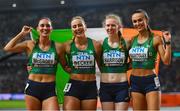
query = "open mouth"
{"x": 79, "y": 32}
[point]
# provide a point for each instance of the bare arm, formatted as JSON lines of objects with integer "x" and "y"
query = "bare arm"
{"x": 128, "y": 46}
{"x": 128, "y": 43}
{"x": 62, "y": 50}
{"x": 13, "y": 45}
{"x": 98, "y": 50}
{"x": 165, "y": 53}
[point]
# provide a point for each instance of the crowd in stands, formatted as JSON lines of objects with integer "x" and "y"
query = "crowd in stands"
{"x": 163, "y": 16}
{"x": 13, "y": 76}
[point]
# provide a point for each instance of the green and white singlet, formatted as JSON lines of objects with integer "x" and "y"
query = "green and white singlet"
{"x": 143, "y": 55}
{"x": 114, "y": 60}
{"x": 82, "y": 61}
{"x": 43, "y": 62}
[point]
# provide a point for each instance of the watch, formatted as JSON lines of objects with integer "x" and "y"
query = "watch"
{"x": 167, "y": 42}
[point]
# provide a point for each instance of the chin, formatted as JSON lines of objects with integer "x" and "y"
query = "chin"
{"x": 45, "y": 36}
{"x": 80, "y": 36}
{"x": 110, "y": 34}
{"x": 139, "y": 30}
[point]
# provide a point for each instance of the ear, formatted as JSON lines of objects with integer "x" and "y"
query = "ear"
{"x": 120, "y": 26}
{"x": 147, "y": 20}
{"x": 85, "y": 27}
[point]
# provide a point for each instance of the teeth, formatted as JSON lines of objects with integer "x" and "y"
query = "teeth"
{"x": 79, "y": 32}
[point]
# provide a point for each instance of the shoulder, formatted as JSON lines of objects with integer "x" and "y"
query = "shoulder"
{"x": 132, "y": 39}
{"x": 101, "y": 41}
{"x": 30, "y": 46}
{"x": 30, "y": 43}
{"x": 67, "y": 45}
{"x": 157, "y": 39}
{"x": 96, "y": 43}
{"x": 59, "y": 46}
{"x": 97, "y": 47}
{"x": 128, "y": 43}
{"x": 127, "y": 40}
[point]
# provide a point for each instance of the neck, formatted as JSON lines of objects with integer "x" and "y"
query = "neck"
{"x": 113, "y": 41}
{"x": 44, "y": 41}
{"x": 114, "y": 38}
{"x": 80, "y": 41}
{"x": 144, "y": 34}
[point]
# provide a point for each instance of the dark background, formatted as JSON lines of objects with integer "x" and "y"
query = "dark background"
{"x": 164, "y": 15}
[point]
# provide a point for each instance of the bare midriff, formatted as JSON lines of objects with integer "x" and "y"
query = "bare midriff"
{"x": 142, "y": 72}
{"x": 113, "y": 77}
{"x": 83, "y": 77}
{"x": 42, "y": 77}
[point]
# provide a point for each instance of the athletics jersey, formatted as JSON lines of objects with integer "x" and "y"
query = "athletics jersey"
{"x": 143, "y": 55}
{"x": 114, "y": 60}
{"x": 82, "y": 61}
{"x": 43, "y": 62}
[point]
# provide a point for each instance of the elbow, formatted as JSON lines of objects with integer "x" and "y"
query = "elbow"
{"x": 167, "y": 62}
{"x": 6, "y": 49}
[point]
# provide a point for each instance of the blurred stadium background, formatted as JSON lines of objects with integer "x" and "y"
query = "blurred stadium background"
{"x": 164, "y": 15}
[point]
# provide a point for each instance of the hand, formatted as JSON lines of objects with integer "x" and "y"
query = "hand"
{"x": 26, "y": 30}
{"x": 29, "y": 68}
{"x": 167, "y": 36}
{"x": 67, "y": 69}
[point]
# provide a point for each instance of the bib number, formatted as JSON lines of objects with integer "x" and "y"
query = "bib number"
{"x": 67, "y": 87}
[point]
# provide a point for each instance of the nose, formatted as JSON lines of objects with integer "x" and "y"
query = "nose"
{"x": 137, "y": 23}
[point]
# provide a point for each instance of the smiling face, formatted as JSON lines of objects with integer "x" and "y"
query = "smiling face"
{"x": 44, "y": 27}
{"x": 111, "y": 26}
{"x": 78, "y": 27}
{"x": 140, "y": 22}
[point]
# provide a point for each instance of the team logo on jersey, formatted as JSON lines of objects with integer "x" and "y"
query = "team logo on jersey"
{"x": 83, "y": 59}
{"x": 114, "y": 58}
{"x": 139, "y": 53}
{"x": 44, "y": 59}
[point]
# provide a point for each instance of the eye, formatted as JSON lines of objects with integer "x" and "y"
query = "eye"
{"x": 107, "y": 25}
{"x": 140, "y": 20}
{"x": 166, "y": 33}
{"x": 113, "y": 25}
{"x": 134, "y": 21}
{"x": 80, "y": 25}
{"x": 48, "y": 25}
{"x": 45, "y": 25}
{"x": 74, "y": 26}
{"x": 41, "y": 25}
